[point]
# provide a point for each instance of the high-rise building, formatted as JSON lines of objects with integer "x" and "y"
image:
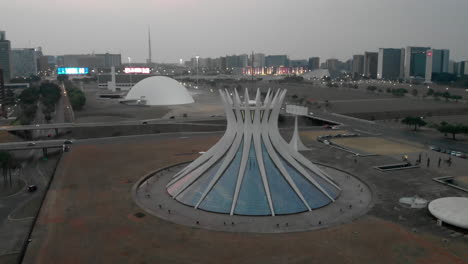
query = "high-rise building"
{"x": 463, "y": 68}
{"x": 24, "y": 62}
{"x": 237, "y": 61}
{"x": 391, "y": 64}
{"x": 111, "y": 60}
{"x": 106, "y": 60}
{"x": 333, "y": 65}
{"x": 415, "y": 62}
{"x": 5, "y": 56}
{"x": 440, "y": 60}
{"x": 277, "y": 61}
{"x": 370, "y": 64}
{"x": 258, "y": 60}
{"x": 358, "y": 65}
{"x": 298, "y": 63}
{"x": 314, "y": 63}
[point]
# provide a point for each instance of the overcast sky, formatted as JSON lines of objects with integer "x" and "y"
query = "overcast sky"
{"x": 213, "y": 28}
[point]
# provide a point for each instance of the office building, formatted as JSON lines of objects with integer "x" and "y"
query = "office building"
{"x": 463, "y": 68}
{"x": 24, "y": 62}
{"x": 277, "y": 61}
{"x": 298, "y": 63}
{"x": 333, "y": 65}
{"x": 391, "y": 64}
{"x": 237, "y": 61}
{"x": 106, "y": 60}
{"x": 440, "y": 60}
{"x": 314, "y": 63}
{"x": 370, "y": 64}
{"x": 5, "y": 56}
{"x": 258, "y": 60}
{"x": 358, "y": 65}
{"x": 415, "y": 62}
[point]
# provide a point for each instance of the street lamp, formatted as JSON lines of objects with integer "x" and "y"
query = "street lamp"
{"x": 197, "y": 68}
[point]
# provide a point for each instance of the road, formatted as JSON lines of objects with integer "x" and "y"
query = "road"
{"x": 103, "y": 124}
{"x": 15, "y": 146}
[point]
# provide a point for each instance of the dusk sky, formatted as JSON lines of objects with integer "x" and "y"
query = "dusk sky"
{"x": 213, "y": 28}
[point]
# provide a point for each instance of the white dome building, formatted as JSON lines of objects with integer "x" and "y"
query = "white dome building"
{"x": 159, "y": 90}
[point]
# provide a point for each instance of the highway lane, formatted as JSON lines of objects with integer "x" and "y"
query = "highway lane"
{"x": 103, "y": 124}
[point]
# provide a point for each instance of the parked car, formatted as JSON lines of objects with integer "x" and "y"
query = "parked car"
{"x": 32, "y": 188}
{"x": 30, "y": 144}
{"x": 453, "y": 153}
{"x": 68, "y": 142}
{"x": 435, "y": 148}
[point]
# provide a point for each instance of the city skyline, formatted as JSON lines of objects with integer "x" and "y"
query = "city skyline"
{"x": 210, "y": 29}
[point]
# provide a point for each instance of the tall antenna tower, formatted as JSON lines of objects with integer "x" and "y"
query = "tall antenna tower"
{"x": 149, "y": 61}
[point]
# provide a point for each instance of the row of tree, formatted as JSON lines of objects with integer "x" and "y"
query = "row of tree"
{"x": 8, "y": 163}
{"x": 76, "y": 96}
{"x": 48, "y": 94}
{"x": 443, "y": 127}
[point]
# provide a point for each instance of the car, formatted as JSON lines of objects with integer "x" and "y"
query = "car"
{"x": 326, "y": 142}
{"x": 32, "y": 188}
{"x": 453, "y": 153}
{"x": 435, "y": 148}
{"x": 68, "y": 142}
{"x": 335, "y": 127}
{"x": 144, "y": 122}
{"x": 30, "y": 144}
{"x": 458, "y": 154}
{"x": 172, "y": 117}
{"x": 463, "y": 156}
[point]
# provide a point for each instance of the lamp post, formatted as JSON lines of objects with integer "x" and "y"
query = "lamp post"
{"x": 197, "y": 68}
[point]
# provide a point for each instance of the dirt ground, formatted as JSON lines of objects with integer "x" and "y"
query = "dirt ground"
{"x": 89, "y": 217}
{"x": 376, "y": 145}
{"x": 6, "y": 137}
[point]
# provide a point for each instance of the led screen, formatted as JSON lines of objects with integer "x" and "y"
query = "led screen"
{"x": 72, "y": 70}
{"x": 137, "y": 70}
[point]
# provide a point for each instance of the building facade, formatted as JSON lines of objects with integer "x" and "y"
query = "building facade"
{"x": 277, "y": 61}
{"x": 391, "y": 64}
{"x": 24, "y": 62}
{"x": 358, "y": 65}
{"x": 5, "y": 56}
{"x": 314, "y": 63}
{"x": 415, "y": 62}
{"x": 370, "y": 64}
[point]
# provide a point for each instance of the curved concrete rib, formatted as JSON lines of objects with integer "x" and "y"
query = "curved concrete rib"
{"x": 216, "y": 148}
{"x": 282, "y": 169}
{"x": 195, "y": 174}
{"x": 245, "y": 153}
{"x": 258, "y": 151}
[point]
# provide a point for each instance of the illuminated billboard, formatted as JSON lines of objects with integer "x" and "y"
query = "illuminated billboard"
{"x": 72, "y": 70}
{"x": 140, "y": 70}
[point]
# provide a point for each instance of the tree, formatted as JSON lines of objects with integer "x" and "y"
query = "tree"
{"x": 430, "y": 92}
{"x": 371, "y": 88}
{"x": 414, "y": 92}
{"x": 453, "y": 129}
{"x": 62, "y": 77}
{"x": 414, "y": 121}
{"x": 456, "y": 98}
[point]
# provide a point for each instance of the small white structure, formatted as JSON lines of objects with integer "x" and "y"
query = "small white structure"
{"x": 296, "y": 142}
{"x": 414, "y": 202}
{"x": 451, "y": 210}
{"x": 159, "y": 90}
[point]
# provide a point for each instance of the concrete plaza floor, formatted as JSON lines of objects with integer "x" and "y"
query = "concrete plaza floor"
{"x": 89, "y": 215}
